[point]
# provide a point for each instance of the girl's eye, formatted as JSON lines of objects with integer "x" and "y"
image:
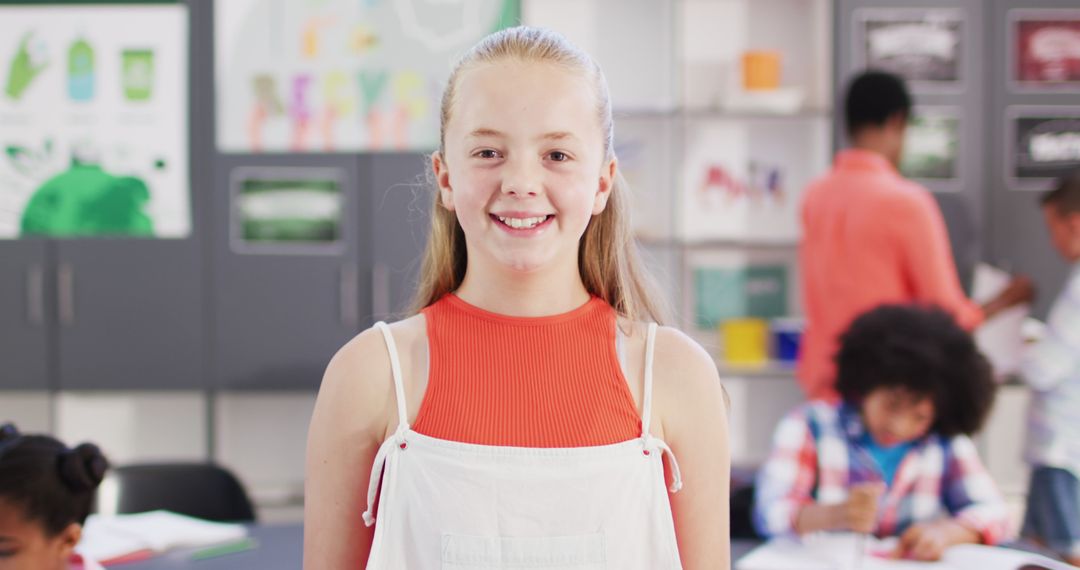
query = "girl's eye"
{"x": 559, "y": 156}
{"x": 487, "y": 153}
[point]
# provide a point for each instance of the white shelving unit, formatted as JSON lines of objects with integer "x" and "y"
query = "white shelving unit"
{"x": 672, "y": 67}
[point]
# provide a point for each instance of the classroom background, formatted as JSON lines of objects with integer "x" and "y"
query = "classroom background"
{"x": 252, "y": 191}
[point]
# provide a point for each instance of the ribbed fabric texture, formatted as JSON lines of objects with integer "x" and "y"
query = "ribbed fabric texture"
{"x": 525, "y": 381}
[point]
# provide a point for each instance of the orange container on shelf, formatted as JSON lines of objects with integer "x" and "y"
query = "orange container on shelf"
{"x": 761, "y": 70}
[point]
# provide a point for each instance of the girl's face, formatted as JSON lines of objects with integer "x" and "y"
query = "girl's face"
{"x": 524, "y": 167}
{"x": 25, "y": 546}
{"x": 894, "y": 415}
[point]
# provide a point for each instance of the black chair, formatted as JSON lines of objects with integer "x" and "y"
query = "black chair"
{"x": 741, "y": 502}
{"x": 201, "y": 490}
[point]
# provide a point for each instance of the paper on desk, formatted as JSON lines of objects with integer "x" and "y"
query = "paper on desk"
{"x": 829, "y": 551}
{"x": 999, "y": 339}
{"x": 834, "y": 551}
{"x": 108, "y": 537}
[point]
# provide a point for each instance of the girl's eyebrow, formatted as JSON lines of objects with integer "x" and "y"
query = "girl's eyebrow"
{"x": 555, "y": 135}
{"x": 484, "y": 132}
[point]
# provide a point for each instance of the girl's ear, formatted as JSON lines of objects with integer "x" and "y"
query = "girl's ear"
{"x": 442, "y": 180}
{"x": 606, "y": 183}
{"x": 67, "y": 539}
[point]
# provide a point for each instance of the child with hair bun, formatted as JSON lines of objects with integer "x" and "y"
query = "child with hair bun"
{"x": 46, "y": 491}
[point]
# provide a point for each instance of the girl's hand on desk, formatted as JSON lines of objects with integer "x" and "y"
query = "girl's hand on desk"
{"x": 928, "y": 541}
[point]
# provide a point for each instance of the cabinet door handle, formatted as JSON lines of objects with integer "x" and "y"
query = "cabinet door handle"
{"x": 348, "y": 290}
{"x": 35, "y": 295}
{"x": 380, "y": 291}
{"x": 65, "y": 278}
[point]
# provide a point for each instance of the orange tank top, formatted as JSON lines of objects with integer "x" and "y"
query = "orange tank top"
{"x": 550, "y": 381}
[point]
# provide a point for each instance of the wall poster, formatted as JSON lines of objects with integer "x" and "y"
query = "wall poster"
{"x": 1045, "y": 49}
{"x": 923, "y": 45}
{"x": 1043, "y": 144}
{"x": 94, "y": 120}
{"x": 340, "y": 75}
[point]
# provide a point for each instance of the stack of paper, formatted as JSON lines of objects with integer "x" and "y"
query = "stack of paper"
{"x": 837, "y": 551}
{"x": 1000, "y": 338}
{"x": 108, "y": 539}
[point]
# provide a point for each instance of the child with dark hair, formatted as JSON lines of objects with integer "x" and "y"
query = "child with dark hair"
{"x": 46, "y": 491}
{"x": 893, "y": 457}
{"x": 1052, "y": 368}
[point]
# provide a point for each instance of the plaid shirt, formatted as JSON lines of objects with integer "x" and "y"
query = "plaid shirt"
{"x": 817, "y": 455}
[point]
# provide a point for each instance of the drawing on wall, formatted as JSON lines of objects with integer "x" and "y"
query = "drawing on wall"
{"x": 643, "y": 146}
{"x": 93, "y": 121}
{"x": 921, "y": 45}
{"x": 1044, "y": 144}
{"x": 728, "y": 292}
{"x": 736, "y": 190}
{"x": 931, "y": 144}
{"x": 287, "y": 210}
{"x": 1045, "y": 48}
{"x": 340, "y": 75}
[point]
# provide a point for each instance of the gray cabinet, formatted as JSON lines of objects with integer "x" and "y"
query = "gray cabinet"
{"x": 101, "y": 314}
{"x": 129, "y": 314}
{"x": 25, "y": 313}
{"x": 281, "y": 310}
{"x": 400, "y": 200}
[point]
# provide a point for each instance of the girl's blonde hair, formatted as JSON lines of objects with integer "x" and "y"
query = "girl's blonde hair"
{"x": 607, "y": 258}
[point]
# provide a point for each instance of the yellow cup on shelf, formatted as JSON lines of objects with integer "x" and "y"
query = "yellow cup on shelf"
{"x": 745, "y": 341}
{"x": 761, "y": 70}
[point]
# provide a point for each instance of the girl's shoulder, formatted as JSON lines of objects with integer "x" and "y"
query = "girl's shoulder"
{"x": 359, "y": 378}
{"x": 683, "y": 371}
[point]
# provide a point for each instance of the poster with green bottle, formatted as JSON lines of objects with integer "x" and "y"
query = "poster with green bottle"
{"x": 93, "y": 120}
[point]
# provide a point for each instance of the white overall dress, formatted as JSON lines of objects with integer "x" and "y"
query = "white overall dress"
{"x": 460, "y": 506}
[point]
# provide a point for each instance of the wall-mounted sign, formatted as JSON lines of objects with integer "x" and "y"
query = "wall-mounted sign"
{"x": 932, "y": 147}
{"x": 1043, "y": 145}
{"x": 1045, "y": 49}
{"x": 287, "y": 210}
{"x": 923, "y": 45}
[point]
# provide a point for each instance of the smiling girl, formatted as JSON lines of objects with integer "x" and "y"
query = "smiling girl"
{"x": 530, "y": 413}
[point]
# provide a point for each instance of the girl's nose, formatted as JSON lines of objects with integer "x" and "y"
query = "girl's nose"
{"x": 521, "y": 179}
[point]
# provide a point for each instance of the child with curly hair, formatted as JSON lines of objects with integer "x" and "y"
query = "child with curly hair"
{"x": 892, "y": 458}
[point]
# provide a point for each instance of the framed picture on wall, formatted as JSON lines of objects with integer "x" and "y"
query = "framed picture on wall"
{"x": 1044, "y": 52}
{"x": 340, "y": 75}
{"x": 94, "y": 130}
{"x": 925, "y": 46}
{"x": 296, "y": 210}
{"x": 1043, "y": 144}
{"x": 932, "y": 148}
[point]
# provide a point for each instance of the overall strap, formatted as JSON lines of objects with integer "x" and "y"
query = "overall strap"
{"x": 646, "y": 395}
{"x": 395, "y": 366}
{"x": 648, "y": 441}
{"x": 395, "y": 441}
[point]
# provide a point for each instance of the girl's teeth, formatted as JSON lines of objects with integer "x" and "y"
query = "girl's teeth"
{"x": 519, "y": 223}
